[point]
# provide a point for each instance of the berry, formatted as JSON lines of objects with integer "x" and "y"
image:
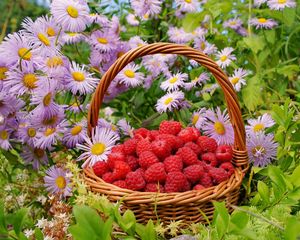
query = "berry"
{"x": 218, "y": 175}
{"x": 198, "y": 187}
{"x": 188, "y": 156}
{"x": 132, "y": 162}
{"x": 142, "y": 146}
{"x": 210, "y": 159}
{"x": 161, "y": 148}
{"x": 206, "y": 180}
{"x": 120, "y": 170}
{"x": 195, "y": 133}
{"x": 172, "y": 140}
{"x": 173, "y": 164}
{"x": 108, "y": 177}
{"x": 228, "y": 167}
{"x": 118, "y": 148}
{"x": 141, "y": 171}
{"x": 207, "y": 144}
{"x": 147, "y": 158}
{"x": 175, "y": 182}
{"x": 154, "y": 134}
{"x": 120, "y": 183}
{"x": 141, "y": 133}
{"x": 185, "y": 135}
{"x": 186, "y": 186}
{"x": 135, "y": 181}
{"x": 194, "y": 147}
{"x": 154, "y": 187}
{"x": 155, "y": 173}
{"x": 129, "y": 146}
{"x": 169, "y": 127}
{"x": 100, "y": 168}
{"x": 224, "y": 153}
{"x": 114, "y": 157}
{"x": 193, "y": 173}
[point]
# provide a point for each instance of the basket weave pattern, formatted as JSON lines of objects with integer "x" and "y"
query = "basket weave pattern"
{"x": 174, "y": 206}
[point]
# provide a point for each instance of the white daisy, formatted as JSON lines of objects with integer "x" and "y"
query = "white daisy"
{"x": 174, "y": 82}
{"x": 130, "y": 77}
{"x": 170, "y": 101}
{"x": 237, "y": 79}
{"x": 225, "y": 57}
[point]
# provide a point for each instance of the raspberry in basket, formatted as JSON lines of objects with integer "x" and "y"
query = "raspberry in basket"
{"x": 169, "y": 127}
{"x": 194, "y": 147}
{"x": 173, "y": 163}
{"x": 228, "y": 167}
{"x": 218, "y": 175}
{"x": 185, "y": 135}
{"x": 156, "y": 173}
{"x": 175, "y": 182}
{"x": 161, "y": 148}
{"x": 207, "y": 144}
{"x": 193, "y": 173}
{"x": 147, "y": 158}
{"x": 154, "y": 187}
{"x": 141, "y": 133}
{"x": 210, "y": 159}
{"x": 135, "y": 181}
{"x": 224, "y": 153}
{"x": 129, "y": 146}
{"x": 100, "y": 168}
{"x": 114, "y": 157}
{"x": 142, "y": 146}
{"x": 120, "y": 170}
{"x": 188, "y": 156}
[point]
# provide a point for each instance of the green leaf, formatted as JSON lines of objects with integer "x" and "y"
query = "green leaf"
{"x": 292, "y": 229}
{"x": 3, "y": 228}
{"x": 150, "y": 231}
{"x": 295, "y": 177}
{"x": 288, "y": 70}
{"x": 128, "y": 222}
{"x": 276, "y": 176}
{"x": 271, "y": 36}
{"x": 263, "y": 191}
{"x": 38, "y": 234}
{"x": 240, "y": 219}
{"x": 221, "y": 218}
{"x": 191, "y": 21}
{"x": 289, "y": 15}
{"x": 18, "y": 219}
{"x": 252, "y": 93}
{"x": 255, "y": 43}
{"x": 13, "y": 159}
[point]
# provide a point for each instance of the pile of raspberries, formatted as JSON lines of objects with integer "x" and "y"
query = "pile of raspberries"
{"x": 171, "y": 159}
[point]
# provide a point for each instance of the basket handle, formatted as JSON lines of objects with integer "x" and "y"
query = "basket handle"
{"x": 231, "y": 99}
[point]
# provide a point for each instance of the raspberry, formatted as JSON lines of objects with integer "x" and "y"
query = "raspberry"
{"x": 120, "y": 183}
{"x": 132, "y": 162}
{"x": 206, "y": 180}
{"x": 210, "y": 159}
{"x": 169, "y": 127}
{"x": 193, "y": 173}
{"x": 207, "y": 144}
{"x": 129, "y": 146}
{"x": 120, "y": 170}
{"x": 100, "y": 168}
{"x": 108, "y": 177}
{"x": 147, "y": 158}
{"x": 173, "y": 164}
{"x": 185, "y": 135}
{"x": 228, "y": 167}
{"x": 161, "y": 148}
{"x": 114, "y": 157}
{"x": 188, "y": 156}
{"x": 118, "y": 148}
{"x": 175, "y": 182}
{"x": 194, "y": 132}
{"x": 154, "y": 134}
{"x": 135, "y": 181}
{"x": 141, "y": 133}
{"x": 154, "y": 187}
{"x": 186, "y": 186}
{"x": 224, "y": 153}
{"x": 218, "y": 175}
{"x": 156, "y": 173}
{"x": 141, "y": 171}
{"x": 194, "y": 147}
{"x": 172, "y": 140}
{"x": 142, "y": 146}
{"x": 198, "y": 187}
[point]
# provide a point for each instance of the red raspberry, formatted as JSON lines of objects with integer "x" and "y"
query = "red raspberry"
{"x": 120, "y": 170}
{"x": 188, "y": 156}
{"x": 132, "y": 162}
{"x": 173, "y": 164}
{"x": 194, "y": 132}
{"x": 193, "y": 173}
{"x": 172, "y": 140}
{"x": 210, "y": 159}
{"x": 118, "y": 148}
{"x": 207, "y": 144}
{"x": 154, "y": 187}
{"x": 155, "y": 173}
{"x": 206, "y": 180}
{"x": 141, "y": 171}
{"x": 218, "y": 175}
{"x": 224, "y": 153}
{"x": 114, "y": 157}
{"x": 141, "y": 133}
{"x": 175, "y": 182}
{"x": 194, "y": 147}
{"x": 129, "y": 146}
{"x": 120, "y": 183}
{"x": 135, "y": 181}
{"x": 142, "y": 146}
{"x": 161, "y": 148}
{"x": 198, "y": 187}
{"x": 100, "y": 168}
{"x": 228, "y": 167}
{"x": 108, "y": 177}
{"x": 185, "y": 135}
{"x": 169, "y": 127}
{"x": 154, "y": 134}
{"x": 187, "y": 186}
{"x": 147, "y": 158}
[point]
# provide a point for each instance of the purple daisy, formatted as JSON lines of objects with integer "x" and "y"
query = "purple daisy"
{"x": 198, "y": 118}
{"x": 259, "y": 124}
{"x": 197, "y": 81}
{"x": 258, "y": 3}
{"x": 199, "y": 32}
{"x": 35, "y": 156}
{"x": 261, "y": 148}
{"x": 135, "y": 42}
{"x": 50, "y": 25}
{"x": 237, "y": 79}
{"x": 281, "y": 4}
{"x": 28, "y": 133}
{"x": 204, "y": 46}
{"x": 187, "y": 5}
{"x": 132, "y": 20}
{"x": 225, "y": 57}
{"x": 263, "y": 23}
{"x": 174, "y": 82}
{"x": 57, "y": 182}
{"x": 6, "y": 106}
{"x": 4, "y": 139}
{"x": 102, "y": 123}
{"x": 146, "y": 8}
{"x": 39, "y": 120}
{"x": 75, "y": 134}
{"x": 125, "y": 127}
{"x": 170, "y": 101}
{"x": 104, "y": 41}
{"x": 72, "y": 37}
{"x": 130, "y": 77}
{"x": 242, "y": 31}
{"x": 218, "y": 126}
{"x": 233, "y": 23}
{"x": 154, "y": 65}
{"x": 178, "y": 35}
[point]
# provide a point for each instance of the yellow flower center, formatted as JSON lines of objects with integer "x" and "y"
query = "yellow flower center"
{"x": 72, "y": 34}
{"x": 54, "y": 62}
{"x": 129, "y": 73}
{"x": 258, "y": 127}
{"x": 235, "y": 80}
{"x": 51, "y": 32}
{"x": 113, "y": 127}
{"x": 203, "y": 46}
{"x": 232, "y": 23}
{"x": 78, "y": 76}
{"x": 146, "y": 16}
{"x": 31, "y": 132}
{"x": 188, "y": 1}
{"x": 281, "y": 1}
{"x": 50, "y": 121}
{"x": 219, "y": 128}
{"x": 43, "y": 39}
{"x": 60, "y": 182}
{"x": 98, "y": 148}
{"x": 29, "y": 80}
{"x": 3, "y": 70}
{"x": 120, "y": 54}
{"x": 73, "y": 12}
{"x": 49, "y": 131}
{"x": 4, "y": 135}
{"x": 261, "y": 20}
{"x": 140, "y": 44}
{"x": 259, "y": 148}
{"x": 47, "y": 99}
{"x": 173, "y": 80}
{"x": 223, "y": 58}
{"x": 195, "y": 119}
{"x": 168, "y": 100}
{"x": 102, "y": 40}
{"x": 39, "y": 152}
{"x": 76, "y": 130}
{"x": 24, "y": 53}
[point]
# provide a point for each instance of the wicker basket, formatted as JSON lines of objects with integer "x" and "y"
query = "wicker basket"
{"x": 186, "y": 206}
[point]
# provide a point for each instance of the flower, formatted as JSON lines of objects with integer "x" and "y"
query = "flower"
{"x": 281, "y": 4}
{"x": 135, "y": 42}
{"x": 56, "y": 182}
{"x": 125, "y": 127}
{"x": 28, "y": 134}
{"x": 4, "y": 139}
{"x": 70, "y": 14}
{"x": 78, "y": 80}
{"x": 187, "y": 5}
{"x": 104, "y": 41}
{"x": 233, "y": 23}
{"x": 259, "y": 124}
{"x": 178, "y": 35}
{"x": 261, "y": 148}
{"x": 170, "y": 101}
{"x": 203, "y": 78}
{"x": 102, "y": 123}
{"x": 75, "y": 134}
{"x": 204, "y": 46}
{"x": 97, "y": 148}
{"x": 155, "y": 65}
{"x": 130, "y": 77}
{"x": 218, "y": 126}
{"x": 258, "y": 3}
{"x": 237, "y": 79}
{"x": 146, "y": 8}
{"x": 263, "y": 23}
{"x": 132, "y": 20}
{"x": 34, "y": 156}
{"x": 174, "y": 82}
{"x": 72, "y": 37}
{"x": 225, "y": 57}
{"x": 198, "y": 118}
